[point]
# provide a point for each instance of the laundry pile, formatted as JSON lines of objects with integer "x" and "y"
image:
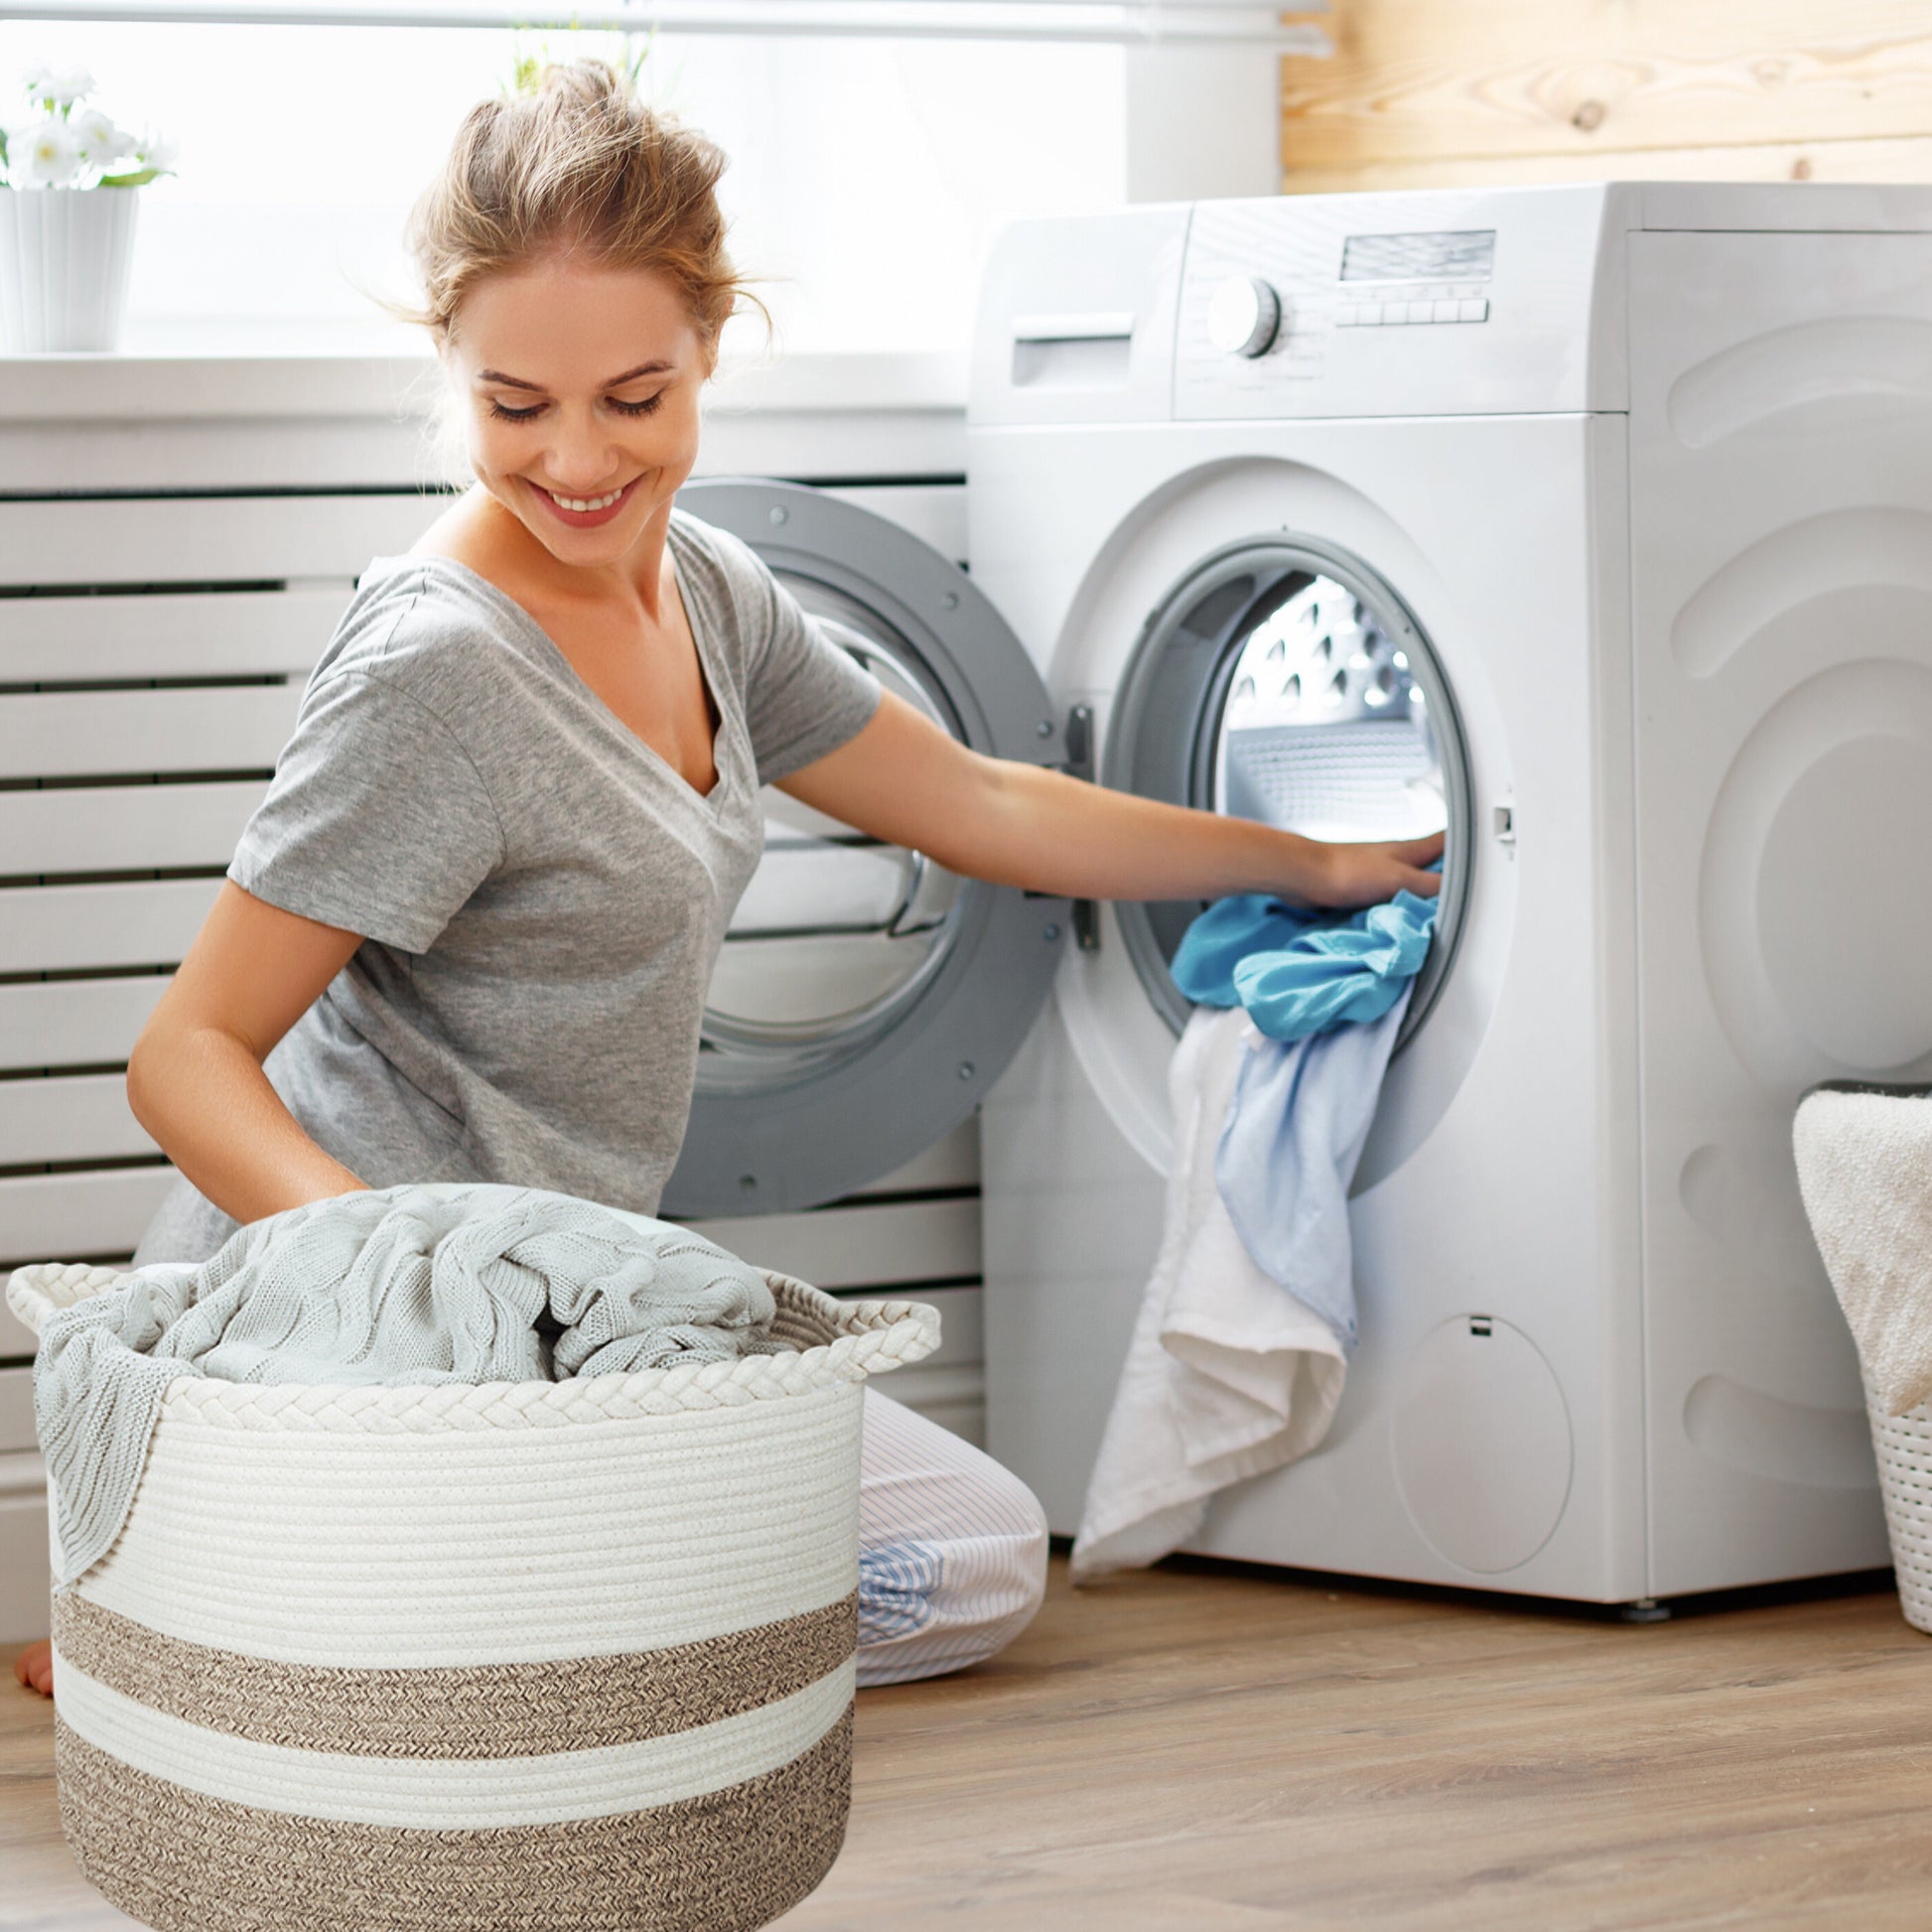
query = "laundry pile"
{"x": 1239, "y": 1351}
{"x": 398, "y": 1286}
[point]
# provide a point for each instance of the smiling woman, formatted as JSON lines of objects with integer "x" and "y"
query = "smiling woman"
{"x": 566, "y": 236}
{"x": 572, "y": 464}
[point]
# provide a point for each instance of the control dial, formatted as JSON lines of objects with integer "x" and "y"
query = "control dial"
{"x": 1243, "y": 316}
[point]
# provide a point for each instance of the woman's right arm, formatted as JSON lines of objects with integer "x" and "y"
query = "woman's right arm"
{"x": 195, "y": 1080}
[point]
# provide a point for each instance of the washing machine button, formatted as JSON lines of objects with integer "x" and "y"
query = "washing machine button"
{"x": 1244, "y": 315}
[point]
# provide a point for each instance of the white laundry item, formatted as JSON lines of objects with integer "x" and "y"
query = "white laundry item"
{"x": 1865, "y": 1172}
{"x": 1227, "y": 1374}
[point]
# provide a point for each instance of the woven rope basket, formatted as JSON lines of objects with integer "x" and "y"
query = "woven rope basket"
{"x": 1903, "y": 1444}
{"x": 571, "y": 1655}
{"x": 1861, "y": 1149}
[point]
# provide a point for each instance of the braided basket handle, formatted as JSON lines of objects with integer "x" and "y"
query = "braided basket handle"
{"x": 41, "y": 1289}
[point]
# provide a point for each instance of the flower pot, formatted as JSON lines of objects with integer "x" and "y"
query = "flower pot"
{"x": 64, "y": 255}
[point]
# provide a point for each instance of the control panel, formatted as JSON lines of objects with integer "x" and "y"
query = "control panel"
{"x": 1405, "y": 306}
{"x": 1437, "y": 302}
{"x": 1438, "y": 275}
{"x": 1444, "y": 302}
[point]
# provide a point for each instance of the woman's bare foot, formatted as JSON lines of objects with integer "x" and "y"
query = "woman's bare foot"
{"x": 35, "y": 1667}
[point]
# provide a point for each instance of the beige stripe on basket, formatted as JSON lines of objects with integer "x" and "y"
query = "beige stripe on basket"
{"x": 513, "y": 1709}
{"x": 182, "y": 1862}
{"x": 454, "y": 1793}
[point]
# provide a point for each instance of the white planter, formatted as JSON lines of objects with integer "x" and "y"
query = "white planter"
{"x": 65, "y": 255}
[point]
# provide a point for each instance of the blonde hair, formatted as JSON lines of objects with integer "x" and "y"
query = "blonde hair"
{"x": 580, "y": 163}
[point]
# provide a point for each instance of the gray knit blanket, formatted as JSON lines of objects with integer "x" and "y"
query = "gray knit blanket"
{"x": 397, "y": 1286}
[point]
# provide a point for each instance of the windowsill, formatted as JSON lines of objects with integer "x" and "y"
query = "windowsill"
{"x": 226, "y": 371}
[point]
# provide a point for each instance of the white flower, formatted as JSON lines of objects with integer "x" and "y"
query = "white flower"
{"x": 154, "y": 150}
{"x": 98, "y": 141}
{"x": 42, "y": 155}
{"x": 62, "y": 86}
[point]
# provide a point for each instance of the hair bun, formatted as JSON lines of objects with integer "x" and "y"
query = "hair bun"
{"x": 591, "y": 82}
{"x": 581, "y": 161}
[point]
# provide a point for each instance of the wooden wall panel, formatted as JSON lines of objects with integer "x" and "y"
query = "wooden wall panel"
{"x": 204, "y": 634}
{"x": 1503, "y": 91}
{"x": 44, "y": 1024}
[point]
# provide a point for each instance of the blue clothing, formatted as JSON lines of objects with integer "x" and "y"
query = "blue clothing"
{"x": 1329, "y": 990}
{"x": 1286, "y": 1156}
{"x": 1300, "y": 972}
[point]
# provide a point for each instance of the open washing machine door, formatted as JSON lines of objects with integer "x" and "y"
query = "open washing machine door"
{"x": 864, "y": 998}
{"x": 1279, "y": 677}
{"x": 1282, "y": 681}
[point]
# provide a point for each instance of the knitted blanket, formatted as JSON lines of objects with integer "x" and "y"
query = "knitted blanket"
{"x": 400, "y": 1285}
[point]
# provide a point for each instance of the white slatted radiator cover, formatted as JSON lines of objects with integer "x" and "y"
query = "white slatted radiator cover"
{"x": 153, "y": 653}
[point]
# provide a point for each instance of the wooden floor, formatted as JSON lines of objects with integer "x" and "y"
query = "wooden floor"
{"x": 1205, "y": 1748}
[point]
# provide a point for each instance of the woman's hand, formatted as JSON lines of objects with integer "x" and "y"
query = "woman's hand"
{"x": 1353, "y": 875}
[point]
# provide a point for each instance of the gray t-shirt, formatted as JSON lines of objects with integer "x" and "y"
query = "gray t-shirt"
{"x": 543, "y": 896}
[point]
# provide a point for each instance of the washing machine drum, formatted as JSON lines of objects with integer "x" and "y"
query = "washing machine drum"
{"x": 1285, "y": 681}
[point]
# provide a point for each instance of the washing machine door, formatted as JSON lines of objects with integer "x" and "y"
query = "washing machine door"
{"x": 864, "y": 998}
{"x": 1283, "y": 679}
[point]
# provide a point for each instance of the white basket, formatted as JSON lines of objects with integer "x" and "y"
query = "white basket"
{"x": 550, "y": 1655}
{"x": 1860, "y": 1151}
{"x": 1903, "y": 1446}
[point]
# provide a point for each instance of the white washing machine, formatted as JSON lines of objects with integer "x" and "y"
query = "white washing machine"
{"x": 1596, "y": 525}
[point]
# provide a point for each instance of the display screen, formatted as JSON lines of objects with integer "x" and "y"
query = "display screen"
{"x": 1470, "y": 256}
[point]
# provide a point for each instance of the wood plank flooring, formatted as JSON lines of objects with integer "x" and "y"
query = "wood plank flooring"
{"x": 1204, "y": 1747}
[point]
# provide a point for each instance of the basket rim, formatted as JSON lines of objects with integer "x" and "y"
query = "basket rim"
{"x": 867, "y": 1337}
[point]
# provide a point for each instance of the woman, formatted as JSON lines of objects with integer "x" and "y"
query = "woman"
{"x": 468, "y": 933}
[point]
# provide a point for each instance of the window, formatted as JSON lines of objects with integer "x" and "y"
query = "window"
{"x": 867, "y": 175}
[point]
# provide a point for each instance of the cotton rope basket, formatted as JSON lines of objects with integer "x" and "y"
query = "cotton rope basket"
{"x": 1903, "y": 1444}
{"x": 1862, "y": 1150}
{"x": 567, "y": 1655}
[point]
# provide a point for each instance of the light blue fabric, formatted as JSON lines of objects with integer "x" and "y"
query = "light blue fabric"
{"x": 1302, "y": 972}
{"x": 1294, "y": 1131}
{"x": 1328, "y": 991}
{"x": 896, "y": 1585}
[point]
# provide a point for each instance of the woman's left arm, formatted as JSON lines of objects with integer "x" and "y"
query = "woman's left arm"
{"x": 904, "y": 779}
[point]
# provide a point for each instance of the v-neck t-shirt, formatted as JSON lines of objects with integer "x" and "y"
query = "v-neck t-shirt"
{"x": 543, "y": 895}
